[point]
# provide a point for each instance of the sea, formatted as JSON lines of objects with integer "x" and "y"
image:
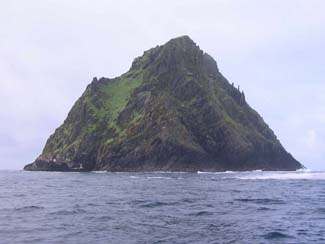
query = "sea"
{"x": 162, "y": 207}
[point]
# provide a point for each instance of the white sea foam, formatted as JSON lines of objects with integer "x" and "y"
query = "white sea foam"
{"x": 296, "y": 175}
{"x": 214, "y": 173}
{"x": 134, "y": 177}
{"x": 158, "y": 177}
{"x": 99, "y": 172}
{"x": 257, "y": 170}
{"x": 304, "y": 170}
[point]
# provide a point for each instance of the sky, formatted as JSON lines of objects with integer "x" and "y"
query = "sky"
{"x": 51, "y": 50}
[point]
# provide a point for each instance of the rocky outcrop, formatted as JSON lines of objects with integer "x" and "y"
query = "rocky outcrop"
{"x": 172, "y": 111}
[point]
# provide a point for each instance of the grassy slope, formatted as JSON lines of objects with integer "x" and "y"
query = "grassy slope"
{"x": 97, "y": 109}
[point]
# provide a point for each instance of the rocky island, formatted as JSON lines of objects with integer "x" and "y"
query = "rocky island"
{"x": 172, "y": 111}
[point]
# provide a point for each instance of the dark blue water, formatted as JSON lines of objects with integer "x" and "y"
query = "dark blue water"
{"x": 256, "y": 207}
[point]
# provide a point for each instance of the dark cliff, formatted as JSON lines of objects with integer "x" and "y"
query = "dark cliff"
{"x": 172, "y": 111}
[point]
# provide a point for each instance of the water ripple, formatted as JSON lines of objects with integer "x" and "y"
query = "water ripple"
{"x": 132, "y": 208}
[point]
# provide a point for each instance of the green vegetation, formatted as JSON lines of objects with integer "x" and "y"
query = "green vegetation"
{"x": 118, "y": 93}
{"x": 110, "y": 101}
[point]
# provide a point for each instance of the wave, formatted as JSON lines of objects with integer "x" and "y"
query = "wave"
{"x": 68, "y": 212}
{"x": 228, "y": 172}
{"x": 261, "y": 201}
{"x": 134, "y": 177}
{"x": 304, "y": 170}
{"x": 155, "y": 204}
{"x": 215, "y": 173}
{"x": 155, "y": 177}
{"x": 201, "y": 213}
{"x": 159, "y": 177}
{"x": 296, "y": 175}
{"x": 275, "y": 235}
{"x": 99, "y": 171}
{"x": 29, "y": 208}
{"x": 203, "y": 172}
{"x": 151, "y": 204}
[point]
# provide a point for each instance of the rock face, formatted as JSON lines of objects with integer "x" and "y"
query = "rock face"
{"x": 172, "y": 111}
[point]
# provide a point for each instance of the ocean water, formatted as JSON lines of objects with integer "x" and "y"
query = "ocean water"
{"x": 250, "y": 207}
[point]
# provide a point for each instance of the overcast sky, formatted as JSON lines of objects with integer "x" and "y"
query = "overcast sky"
{"x": 50, "y": 51}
